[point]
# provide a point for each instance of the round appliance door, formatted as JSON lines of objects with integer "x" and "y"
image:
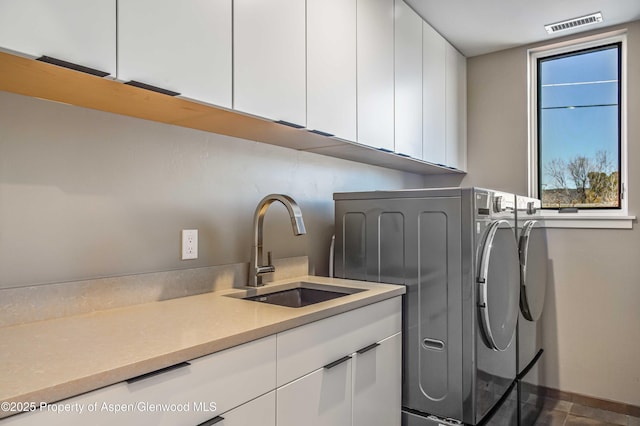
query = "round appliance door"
{"x": 533, "y": 269}
{"x": 499, "y": 285}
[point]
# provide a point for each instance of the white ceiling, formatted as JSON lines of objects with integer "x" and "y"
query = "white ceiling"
{"x": 477, "y": 27}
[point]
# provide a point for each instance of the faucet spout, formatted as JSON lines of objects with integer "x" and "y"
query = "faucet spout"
{"x": 257, "y": 270}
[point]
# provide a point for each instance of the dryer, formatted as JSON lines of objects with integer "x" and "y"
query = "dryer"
{"x": 532, "y": 243}
{"x": 455, "y": 251}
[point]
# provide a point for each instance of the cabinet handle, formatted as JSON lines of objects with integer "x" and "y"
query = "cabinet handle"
{"x": 152, "y": 88}
{"x": 368, "y": 348}
{"x": 321, "y": 133}
{"x": 212, "y": 421}
{"x": 72, "y": 66}
{"x": 157, "y": 372}
{"x": 337, "y": 362}
{"x": 290, "y": 124}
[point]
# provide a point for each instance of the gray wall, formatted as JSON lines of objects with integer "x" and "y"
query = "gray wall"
{"x": 87, "y": 194}
{"x": 592, "y": 318}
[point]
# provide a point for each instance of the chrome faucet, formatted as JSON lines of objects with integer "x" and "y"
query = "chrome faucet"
{"x": 257, "y": 270}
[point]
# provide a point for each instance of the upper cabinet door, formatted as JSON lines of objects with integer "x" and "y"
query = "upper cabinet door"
{"x": 269, "y": 59}
{"x": 181, "y": 46}
{"x": 331, "y": 67}
{"x": 408, "y": 81}
{"x": 82, "y": 32}
{"x": 375, "y": 73}
{"x": 456, "y": 108}
{"x": 433, "y": 95}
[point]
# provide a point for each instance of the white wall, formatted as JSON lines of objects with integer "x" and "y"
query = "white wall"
{"x": 87, "y": 194}
{"x": 592, "y": 314}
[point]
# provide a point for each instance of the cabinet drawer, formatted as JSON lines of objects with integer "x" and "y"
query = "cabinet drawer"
{"x": 223, "y": 380}
{"x": 189, "y": 395}
{"x": 86, "y": 409}
{"x": 312, "y": 346}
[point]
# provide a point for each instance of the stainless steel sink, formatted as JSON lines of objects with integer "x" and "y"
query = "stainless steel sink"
{"x": 302, "y": 296}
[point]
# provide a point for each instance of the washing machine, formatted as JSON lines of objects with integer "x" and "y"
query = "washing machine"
{"x": 532, "y": 244}
{"x": 455, "y": 251}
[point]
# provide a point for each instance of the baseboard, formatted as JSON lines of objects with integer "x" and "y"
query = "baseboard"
{"x": 589, "y": 401}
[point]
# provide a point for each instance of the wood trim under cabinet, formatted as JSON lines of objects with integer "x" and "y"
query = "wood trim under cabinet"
{"x": 46, "y": 81}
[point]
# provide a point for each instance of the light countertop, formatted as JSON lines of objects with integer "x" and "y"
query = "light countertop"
{"x": 47, "y": 361}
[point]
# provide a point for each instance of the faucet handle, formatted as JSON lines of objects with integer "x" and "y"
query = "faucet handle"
{"x": 269, "y": 262}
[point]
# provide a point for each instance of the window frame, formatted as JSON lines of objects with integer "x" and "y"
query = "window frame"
{"x": 568, "y": 47}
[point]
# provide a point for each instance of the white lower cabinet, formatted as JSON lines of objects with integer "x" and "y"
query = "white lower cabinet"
{"x": 363, "y": 390}
{"x": 186, "y": 394}
{"x": 342, "y": 370}
{"x": 317, "y": 399}
{"x": 377, "y": 383}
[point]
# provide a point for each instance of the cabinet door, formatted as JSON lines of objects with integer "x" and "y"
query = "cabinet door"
{"x": 322, "y": 398}
{"x": 375, "y": 73}
{"x": 79, "y": 31}
{"x": 408, "y": 80}
{"x": 304, "y": 349}
{"x": 180, "y": 46}
{"x": 456, "y": 109}
{"x": 433, "y": 89}
{"x": 269, "y": 59}
{"x": 377, "y": 375}
{"x": 261, "y": 411}
{"x": 331, "y": 67}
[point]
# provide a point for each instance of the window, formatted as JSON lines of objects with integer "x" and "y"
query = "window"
{"x": 577, "y": 143}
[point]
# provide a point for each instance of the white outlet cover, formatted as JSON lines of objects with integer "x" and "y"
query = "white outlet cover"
{"x": 189, "y": 244}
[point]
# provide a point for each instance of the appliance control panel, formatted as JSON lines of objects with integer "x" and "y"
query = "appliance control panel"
{"x": 483, "y": 204}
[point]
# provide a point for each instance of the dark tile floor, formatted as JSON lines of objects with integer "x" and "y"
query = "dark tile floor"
{"x": 565, "y": 413}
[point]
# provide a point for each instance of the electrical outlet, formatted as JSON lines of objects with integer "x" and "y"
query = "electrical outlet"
{"x": 189, "y": 244}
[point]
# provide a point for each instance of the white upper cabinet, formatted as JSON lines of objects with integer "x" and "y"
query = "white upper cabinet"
{"x": 269, "y": 59}
{"x": 433, "y": 95}
{"x": 180, "y": 46}
{"x": 456, "y": 108}
{"x": 375, "y": 73}
{"x": 82, "y": 32}
{"x": 408, "y": 81}
{"x": 331, "y": 67}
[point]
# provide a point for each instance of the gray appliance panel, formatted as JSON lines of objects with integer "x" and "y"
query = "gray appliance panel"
{"x": 534, "y": 264}
{"x": 393, "y": 241}
{"x": 430, "y": 245}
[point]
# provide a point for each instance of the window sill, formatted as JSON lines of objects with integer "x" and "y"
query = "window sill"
{"x": 586, "y": 221}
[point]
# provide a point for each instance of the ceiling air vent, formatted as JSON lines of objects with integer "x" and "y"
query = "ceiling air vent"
{"x": 570, "y": 24}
